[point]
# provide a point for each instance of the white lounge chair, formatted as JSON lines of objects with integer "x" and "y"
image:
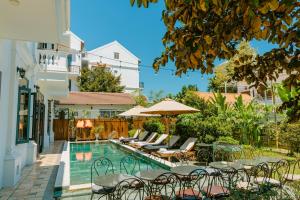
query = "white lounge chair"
{"x": 149, "y": 139}
{"x": 185, "y": 148}
{"x": 135, "y": 137}
{"x": 171, "y": 143}
{"x": 158, "y": 141}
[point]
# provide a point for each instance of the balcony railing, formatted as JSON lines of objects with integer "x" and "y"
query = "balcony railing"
{"x": 52, "y": 61}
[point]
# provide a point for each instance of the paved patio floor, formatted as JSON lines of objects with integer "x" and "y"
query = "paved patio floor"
{"x": 37, "y": 181}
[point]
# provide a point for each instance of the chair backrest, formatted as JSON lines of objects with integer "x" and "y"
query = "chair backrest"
{"x": 130, "y": 189}
{"x": 189, "y": 144}
{"x": 217, "y": 179}
{"x": 279, "y": 170}
{"x": 261, "y": 171}
{"x": 101, "y": 166}
{"x": 173, "y": 140}
{"x": 137, "y": 132}
{"x": 130, "y": 164}
{"x": 151, "y": 137}
{"x": 198, "y": 178}
{"x": 143, "y": 135}
{"x": 294, "y": 164}
{"x": 164, "y": 185}
{"x": 161, "y": 138}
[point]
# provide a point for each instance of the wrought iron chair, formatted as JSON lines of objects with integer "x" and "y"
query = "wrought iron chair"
{"x": 130, "y": 164}
{"x": 204, "y": 155}
{"x": 217, "y": 187}
{"x": 291, "y": 175}
{"x": 191, "y": 186}
{"x": 163, "y": 187}
{"x": 99, "y": 167}
{"x": 129, "y": 189}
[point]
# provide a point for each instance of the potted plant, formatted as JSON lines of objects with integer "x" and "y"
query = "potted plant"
{"x": 72, "y": 126}
{"x": 97, "y": 130}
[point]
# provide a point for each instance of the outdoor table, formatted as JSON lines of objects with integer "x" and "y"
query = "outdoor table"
{"x": 110, "y": 181}
{"x": 267, "y": 159}
{"x": 150, "y": 175}
{"x": 225, "y": 165}
{"x": 226, "y": 148}
{"x": 185, "y": 170}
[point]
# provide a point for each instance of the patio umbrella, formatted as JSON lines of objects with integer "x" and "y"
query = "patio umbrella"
{"x": 137, "y": 112}
{"x": 169, "y": 107}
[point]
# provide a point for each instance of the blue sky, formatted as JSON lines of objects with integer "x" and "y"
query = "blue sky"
{"x": 140, "y": 30}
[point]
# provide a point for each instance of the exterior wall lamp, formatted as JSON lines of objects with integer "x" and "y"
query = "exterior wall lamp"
{"x": 37, "y": 88}
{"x": 21, "y": 72}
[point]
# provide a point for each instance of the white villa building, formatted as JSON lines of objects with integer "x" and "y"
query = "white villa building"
{"x": 38, "y": 58}
{"x": 119, "y": 61}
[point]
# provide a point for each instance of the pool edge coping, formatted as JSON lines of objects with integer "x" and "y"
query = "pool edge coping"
{"x": 63, "y": 182}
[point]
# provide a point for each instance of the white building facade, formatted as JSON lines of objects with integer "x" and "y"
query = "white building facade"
{"x": 38, "y": 57}
{"x": 119, "y": 61}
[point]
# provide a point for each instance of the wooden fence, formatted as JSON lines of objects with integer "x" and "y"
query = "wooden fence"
{"x": 114, "y": 128}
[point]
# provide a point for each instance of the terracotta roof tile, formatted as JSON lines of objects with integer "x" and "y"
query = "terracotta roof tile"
{"x": 230, "y": 97}
{"x": 97, "y": 98}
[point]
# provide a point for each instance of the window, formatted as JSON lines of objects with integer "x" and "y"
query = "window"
{"x": 116, "y": 55}
{"x": 23, "y": 115}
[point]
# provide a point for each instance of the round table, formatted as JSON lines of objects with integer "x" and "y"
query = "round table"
{"x": 266, "y": 159}
{"x": 225, "y": 165}
{"x": 150, "y": 175}
{"x": 185, "y": 170}
{"x": 111, "y": 180}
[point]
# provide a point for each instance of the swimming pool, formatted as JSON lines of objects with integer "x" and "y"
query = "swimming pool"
{"x": 83, "y": 154}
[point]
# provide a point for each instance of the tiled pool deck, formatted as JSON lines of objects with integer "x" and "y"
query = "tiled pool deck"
{"x": 37, "y": 181}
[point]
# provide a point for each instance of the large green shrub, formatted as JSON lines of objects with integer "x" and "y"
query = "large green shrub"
{"x": 154, "y": 125}
{"x": 290, "y": 134}
{"x": 207, "y": 129}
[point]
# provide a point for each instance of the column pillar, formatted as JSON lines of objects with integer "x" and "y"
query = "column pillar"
{"x": 12, "y": 160}
{"x": 51, "y": 125}
{"x": 46, "y": 136}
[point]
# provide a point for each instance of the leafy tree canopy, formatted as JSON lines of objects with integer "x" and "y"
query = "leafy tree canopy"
{"x": 98, "y": 79}
{"x": 180, "y": 95}
{"x": 223, "y": 73}
{"x": 198, "y": 32}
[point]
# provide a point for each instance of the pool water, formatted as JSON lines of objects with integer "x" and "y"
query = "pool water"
{"x": 83, "y": 154}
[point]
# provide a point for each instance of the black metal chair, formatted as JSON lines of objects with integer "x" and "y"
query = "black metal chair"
{"x": 291, "y": 175}
{"x": 204, "y": 155}
{"x": 129, "y": 189}
{"x": 130, "y": 164}
{"x": 101, "y": 166}
{"x": 217, "y": 186}
{"x": 191, "y": 186}
{"x": 163, "y": 187}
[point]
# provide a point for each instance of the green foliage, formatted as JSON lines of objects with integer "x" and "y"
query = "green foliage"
{"x": 140, "y": 99}
{"x": 154, "y": 125}
{"x": 198, "y": 32}
{"x": 290, "y": 134}
{"x": 98, "y": 79}
{"x": 227, "y": 140}
{"x": 156, "y": 97}
{"x": 131, "y": 132}
{"x": 193, "y": 100}
{"x": 184, "y": 90}
{"x": 291, "y": 100}
{"x": 97, "y": 129}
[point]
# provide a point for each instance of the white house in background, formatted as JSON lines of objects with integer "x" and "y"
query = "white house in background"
{"x": 38, "y": 57}
{"x": 119, "y": 61}
{"x": 262, "y": 96}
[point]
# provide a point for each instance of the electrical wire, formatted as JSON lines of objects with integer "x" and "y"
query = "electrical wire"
{"x": 126, "y": 62}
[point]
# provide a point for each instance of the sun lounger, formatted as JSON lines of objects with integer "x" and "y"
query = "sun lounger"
{"x": 135, "y": 137}
{"x": 171, "y": 143}
{"x": 185, "y": 148}
{"x": 158, "y": 141}
{"x": 149, "y": 139}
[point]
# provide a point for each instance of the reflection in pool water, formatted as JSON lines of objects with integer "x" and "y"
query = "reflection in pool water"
{"x": 83, "y": 154}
